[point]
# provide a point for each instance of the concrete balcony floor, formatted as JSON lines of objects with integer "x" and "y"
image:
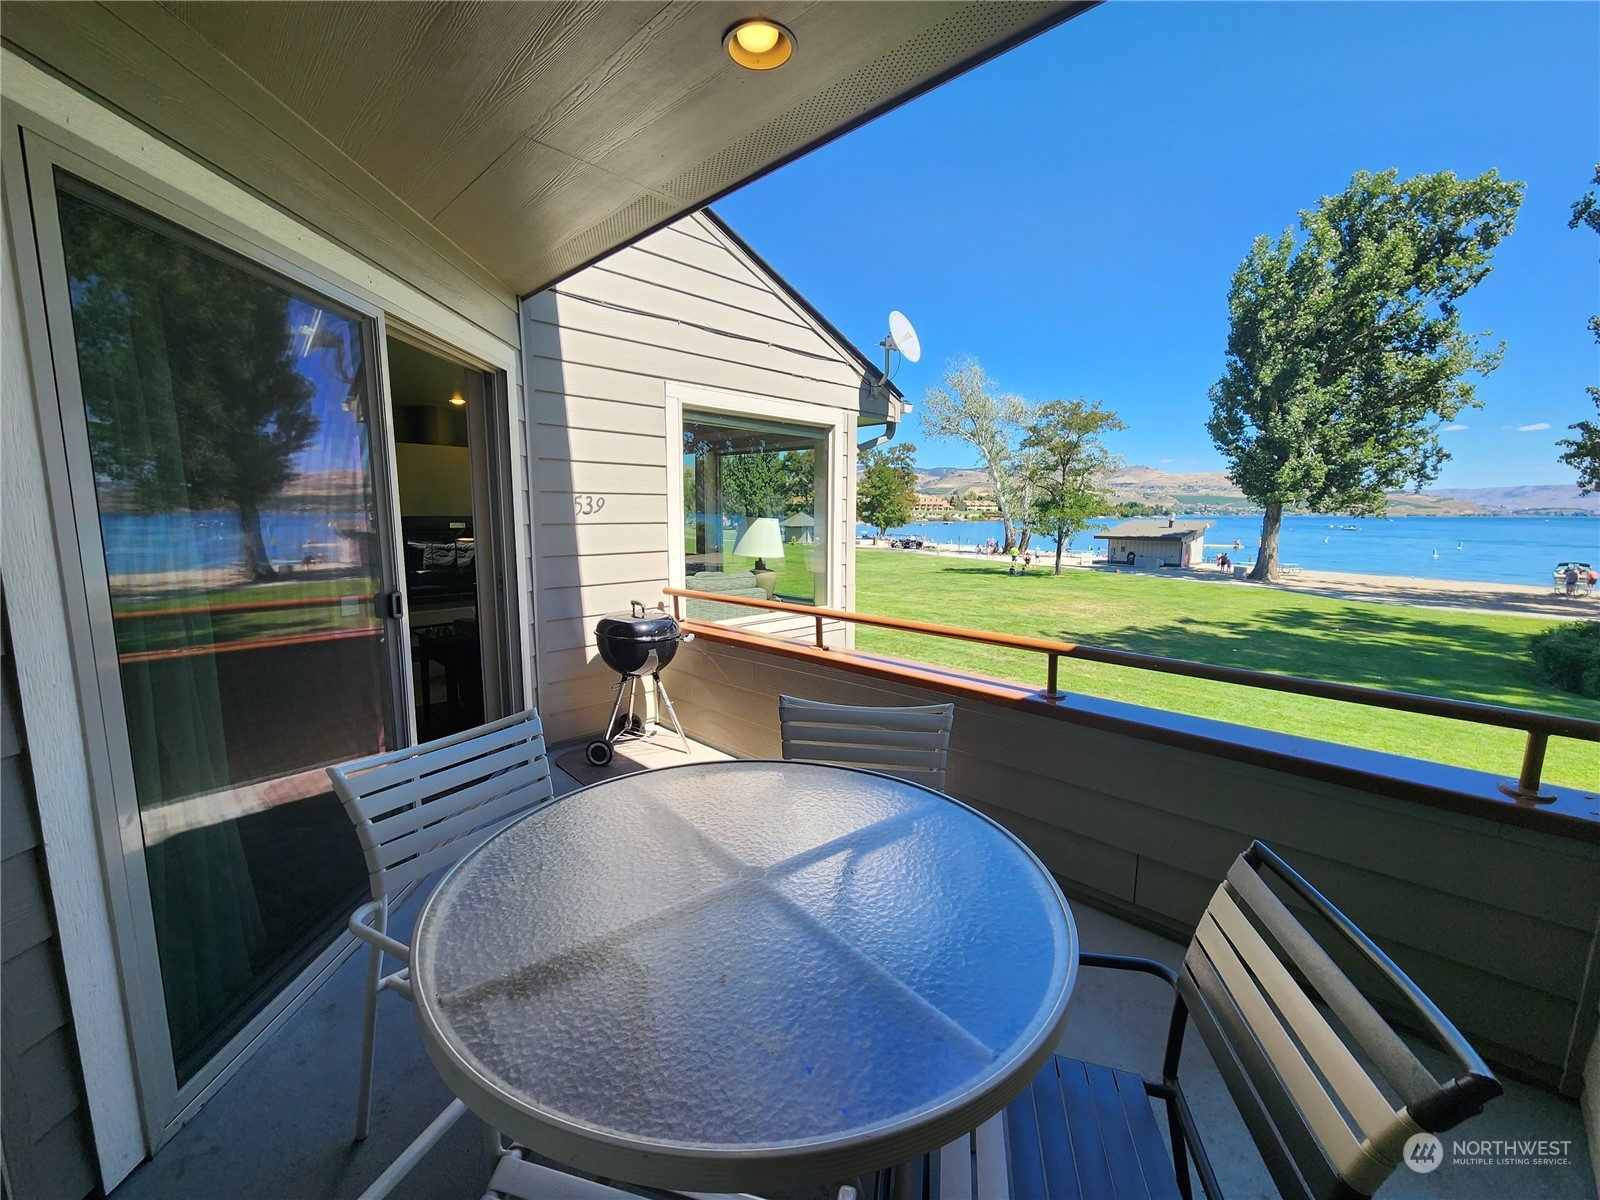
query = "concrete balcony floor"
{"x": 280, "y": 1129}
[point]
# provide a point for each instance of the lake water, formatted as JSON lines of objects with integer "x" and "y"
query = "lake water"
{"x": 1475, "y": 549}
{"x": 148, "y": 543}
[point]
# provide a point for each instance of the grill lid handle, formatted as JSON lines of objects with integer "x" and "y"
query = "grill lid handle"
{"x": 638, "y": 607}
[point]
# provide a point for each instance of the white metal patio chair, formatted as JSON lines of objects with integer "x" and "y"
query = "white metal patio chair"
{"x": 422, "y": 808}
{"x": 912, "y": 743}
{"x": 1330, "y": 1093}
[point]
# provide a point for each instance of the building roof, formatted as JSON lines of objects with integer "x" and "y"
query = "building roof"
{"x": 873, "y": 372}
{"x": 1158, "y": 529}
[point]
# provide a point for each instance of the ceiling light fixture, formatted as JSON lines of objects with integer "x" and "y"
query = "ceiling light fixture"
{"x": 458, "y": 400}
{"x": 759, "y": 45}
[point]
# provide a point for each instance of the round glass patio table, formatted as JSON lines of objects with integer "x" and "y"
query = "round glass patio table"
{"x": 743, "y": 974}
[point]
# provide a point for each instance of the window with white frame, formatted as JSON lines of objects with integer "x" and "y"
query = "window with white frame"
{"x": 754, "y": 510}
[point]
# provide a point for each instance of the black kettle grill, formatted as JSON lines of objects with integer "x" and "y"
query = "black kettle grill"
{"x": 635, "y": 644}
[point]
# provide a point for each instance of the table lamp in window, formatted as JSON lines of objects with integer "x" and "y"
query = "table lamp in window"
{"x": 763, "y": 539}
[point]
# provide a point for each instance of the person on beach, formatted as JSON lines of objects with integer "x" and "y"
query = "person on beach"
{"x": 1571, "y": 578}
{"x": 1222, "y": 562}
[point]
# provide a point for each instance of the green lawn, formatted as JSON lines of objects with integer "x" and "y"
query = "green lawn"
{"x": 1436, "y": 652}
{"x": 161, "y": 632}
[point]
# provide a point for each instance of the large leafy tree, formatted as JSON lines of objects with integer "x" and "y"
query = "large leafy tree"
{"x": 800, "y": 474}
{"x": 1346, "y": 353}
{"x": 757, "y": 483}
{"x": 968, "y": 408}
{"x": 1583, "y": 451}
{"x": 1072, "y": 463}
{"x": 190, "y": 379}
{"x": 887, "y": 488}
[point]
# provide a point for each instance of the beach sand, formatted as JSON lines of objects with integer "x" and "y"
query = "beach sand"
{"x": 1509, "y": 598}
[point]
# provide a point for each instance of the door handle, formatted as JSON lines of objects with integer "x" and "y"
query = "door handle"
{"x": 392, "y": 605}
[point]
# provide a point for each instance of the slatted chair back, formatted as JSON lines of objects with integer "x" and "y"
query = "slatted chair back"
{"x": 912, "y": 743}
{"x": 422, "y": 808}
{"x": 1331, "y": 1104}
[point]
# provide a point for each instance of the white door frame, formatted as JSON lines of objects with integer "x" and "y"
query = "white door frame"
{"x": 127, "y": 1065}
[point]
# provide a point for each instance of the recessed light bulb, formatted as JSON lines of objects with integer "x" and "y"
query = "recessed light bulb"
{"x": 458, "y": 400}
{"x": 757, "y": 37}
{"x": 759, "y": 45}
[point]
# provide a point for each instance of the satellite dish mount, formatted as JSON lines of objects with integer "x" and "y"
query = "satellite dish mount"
{"x": 902, "y": 338}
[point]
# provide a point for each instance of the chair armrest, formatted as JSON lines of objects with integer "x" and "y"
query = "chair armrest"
{"x": 360, "y": 927}
{"x": 1122, "y": 962}
{"x": 1180, "y": 1014}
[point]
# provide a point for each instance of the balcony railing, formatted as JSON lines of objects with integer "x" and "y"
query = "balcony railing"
{"x": 1538, "y": 727}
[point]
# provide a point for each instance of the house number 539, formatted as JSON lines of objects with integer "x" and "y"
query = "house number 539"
{"x": 585, "y": 506}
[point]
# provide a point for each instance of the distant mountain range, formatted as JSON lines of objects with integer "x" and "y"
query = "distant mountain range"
{"x": 1212, "y": 492}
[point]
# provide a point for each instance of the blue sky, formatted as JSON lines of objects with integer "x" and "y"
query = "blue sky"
{"x": 1072, "y": 212}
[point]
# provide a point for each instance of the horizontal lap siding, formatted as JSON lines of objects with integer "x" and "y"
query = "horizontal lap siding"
{"x": 601, "y": 348}
{"x": 1496, "y": 923}
{"x": 44, "y": 1121}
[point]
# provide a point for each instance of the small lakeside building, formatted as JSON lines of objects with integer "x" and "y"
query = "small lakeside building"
{"x": 1156, "y": 542}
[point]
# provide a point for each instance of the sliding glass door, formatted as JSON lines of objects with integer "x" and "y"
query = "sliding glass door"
{"x": 224, "y": 432}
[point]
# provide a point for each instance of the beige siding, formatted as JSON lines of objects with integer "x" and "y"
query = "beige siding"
{"x": 45, "y": 1126}
{"x": 682, "y": 307}
{"x": 1495, "y": 922}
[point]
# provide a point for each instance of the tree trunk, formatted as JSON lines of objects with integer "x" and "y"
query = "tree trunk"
{"x": 1266, "y": 569}
{"x": 257, "y": 563}
{"x": 1027, "y": 536}
{"x": 1060, "y": 542}
{"x": 1011, "y": 533}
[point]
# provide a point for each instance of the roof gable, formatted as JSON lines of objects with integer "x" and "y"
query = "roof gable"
{"x": 714, "y": 224}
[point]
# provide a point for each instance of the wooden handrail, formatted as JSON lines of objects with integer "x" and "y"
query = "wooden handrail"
{"x": 241, "y": 606}
{"x": 265, "y": 643}
{"x": 1538, "y": 726}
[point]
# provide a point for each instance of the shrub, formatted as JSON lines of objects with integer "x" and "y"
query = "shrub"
{"x": 1568, "y": 656}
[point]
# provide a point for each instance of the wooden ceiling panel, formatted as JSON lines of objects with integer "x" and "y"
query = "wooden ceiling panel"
{"x": 542, "y": 193}
{"x": 539, "y": 136}
{"x": 673, "y": 79}
{"x": 335, "y": 64}
{"x": 442, "y": 90}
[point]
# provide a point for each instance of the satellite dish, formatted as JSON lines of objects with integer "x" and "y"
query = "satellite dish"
{"x": 903, "y": 338}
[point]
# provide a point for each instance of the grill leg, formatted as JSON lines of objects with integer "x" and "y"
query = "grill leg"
{"x": 610, "y": 734}
{"x": 666, "y": 700}
{"x": 633, "y": 690}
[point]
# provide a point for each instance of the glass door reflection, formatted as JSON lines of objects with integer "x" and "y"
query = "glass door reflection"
{"x": 233, "y": 476}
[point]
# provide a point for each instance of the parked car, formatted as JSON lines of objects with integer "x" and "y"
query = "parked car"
{"x": 909, "y": 542}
